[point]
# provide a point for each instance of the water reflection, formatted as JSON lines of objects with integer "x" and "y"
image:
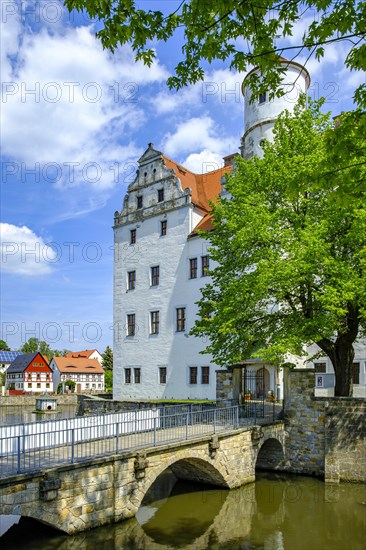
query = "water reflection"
{"x": 275, "y": 513}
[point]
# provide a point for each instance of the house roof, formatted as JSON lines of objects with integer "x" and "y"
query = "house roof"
{"x": 205, "y": 187}
{"x": 84, "y": 353}
{"x": 9, "y": 356}
{"x": 21, "y": 362}
{"x": 78, "y": 364}
{"x": 204, "y": 225}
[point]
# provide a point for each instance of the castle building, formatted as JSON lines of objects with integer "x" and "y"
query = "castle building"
{"x": 161, "y": 263}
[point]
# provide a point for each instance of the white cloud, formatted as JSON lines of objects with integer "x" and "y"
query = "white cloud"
{"x": 66, "y": 100}
{"x": 203, "y": 162}
{"x": 220, "y": 87}
{"x": 196, "y": 134}
{"x": 24, "y": 253}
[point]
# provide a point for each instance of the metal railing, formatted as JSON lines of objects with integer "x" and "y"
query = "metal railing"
{"x": 34, "y": 448}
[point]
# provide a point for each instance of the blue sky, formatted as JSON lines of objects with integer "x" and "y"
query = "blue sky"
{"x": 74, "y": 121}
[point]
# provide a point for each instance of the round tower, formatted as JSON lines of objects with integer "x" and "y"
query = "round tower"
{"x": 261, "y": 114}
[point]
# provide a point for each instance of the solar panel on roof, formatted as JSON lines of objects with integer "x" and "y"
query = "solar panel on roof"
{"x": 8, "y": 356}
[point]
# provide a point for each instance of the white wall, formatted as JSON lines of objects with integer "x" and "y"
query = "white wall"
{"x": 174, "y": 350}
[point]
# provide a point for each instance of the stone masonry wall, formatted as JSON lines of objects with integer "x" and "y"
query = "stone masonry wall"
{"x": 326, "y": 435}
{"x": 304, "y": 419}
{"x": 345, "y": 439}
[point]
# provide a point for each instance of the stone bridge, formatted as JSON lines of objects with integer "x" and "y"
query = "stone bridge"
{"x": 81, "y": 496}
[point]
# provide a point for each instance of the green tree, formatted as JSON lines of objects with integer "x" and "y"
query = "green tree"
{"x": 70, "y": 384}
{"x": 236, "y": 32}
{"x": 107, "y": 362}
{"x": 108, "y": 368}
{"x": 108, "y": 380}
{"x": 33, "y": 345}
{"x": 4, "y": 346}
{"x": 291, "y": 266}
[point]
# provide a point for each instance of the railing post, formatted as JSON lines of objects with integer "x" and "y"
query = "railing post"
{"x": 18, "y": 465}
{"x": 273, "y": 412}
{"x": 117, "y": 436}
{"x": 237, "y": 415}
{"x": 187, "y": 419}
{"x": 255, "y": 412}
{"x": 154, "y": 431}
{"x": 214, "y": 431}
{"x": 72, "y": 445}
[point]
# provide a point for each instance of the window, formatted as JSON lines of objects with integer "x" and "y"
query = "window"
{"x": 320, "y": 367}
{"x": 29, "y": 385}
{"x": 205, "y": 375}
{"x": 193, "y": 268}
{"x": 127, "y": 376}
{"x": 38, "y": 385}
{"x": 262, "y": 98}
{"x": 205, "y": 266}
{"x": 356, "y": 373}
{"x": 132, "y": 236}
{"x": 47, "y": 385}
{"x": 154, "y": 322}
{"x": 131, "y": 326}
{"x": 155, "y": 275}
{"x": 137, "y": 375}
{"x": 181, "y": 319}
{"x": 160, "y": 195}
{"x": 131, "y": 281}
{"x": 162, "y": 375}
{"x": 193, "y": 375}
{"x": 139, "y": 202}
{"x": 163, "y": 225}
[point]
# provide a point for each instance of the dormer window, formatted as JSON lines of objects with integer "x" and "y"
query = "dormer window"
{"x": 262, "y": 98}
{"x": 160, "y": 195}
{"x": 139, "y": 202}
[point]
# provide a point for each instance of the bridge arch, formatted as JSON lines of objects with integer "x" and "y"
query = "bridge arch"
{"x": 270, "y": 455}
{"x": 186, "y": 466}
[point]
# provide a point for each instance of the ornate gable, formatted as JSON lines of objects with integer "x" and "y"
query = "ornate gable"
{"x": 155, "y": 189}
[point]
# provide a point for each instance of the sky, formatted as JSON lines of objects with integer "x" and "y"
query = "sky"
{"x": 74, "y": 121}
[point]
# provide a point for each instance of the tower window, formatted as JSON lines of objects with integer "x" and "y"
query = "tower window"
{"x": 160, "y": 195}
{"x": 181, "y": 319}
{"x": 139, "y": 202}
{"x": 162, "y": 375}
{"x": 205, "y": 375}
{"x": 131, "y": 280}
{"x": 127, "y": 376}
{"x": 205, "y": 266}
{"x": 193, "y": 268}
{"x": 154, "y": 322}
{"x": 155, "y": 273}
{"x": 262, "y": 98}
{"x": 133, "y": 236}
{"x": 131, "y": 324}
{"x": 163, "y": 225}
{"x": 137, "y": 375}
{"x": 193, "y": 375}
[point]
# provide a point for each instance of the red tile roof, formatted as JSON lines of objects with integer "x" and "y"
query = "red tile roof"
{"x": 84, "y": 353}
{"x": 205, "y": 187}
{"x": 78, "y": 365}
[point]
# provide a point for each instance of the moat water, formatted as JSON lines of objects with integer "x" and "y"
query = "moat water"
{"x": 277, "y": 512}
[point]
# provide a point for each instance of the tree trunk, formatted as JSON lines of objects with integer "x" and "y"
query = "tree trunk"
{"x": 342, "y": 361}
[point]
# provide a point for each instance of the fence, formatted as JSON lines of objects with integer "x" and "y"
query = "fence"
{"x": 37, "y": 446}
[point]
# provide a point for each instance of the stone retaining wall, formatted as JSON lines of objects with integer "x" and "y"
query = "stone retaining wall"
{"x": 326, "y": 435}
